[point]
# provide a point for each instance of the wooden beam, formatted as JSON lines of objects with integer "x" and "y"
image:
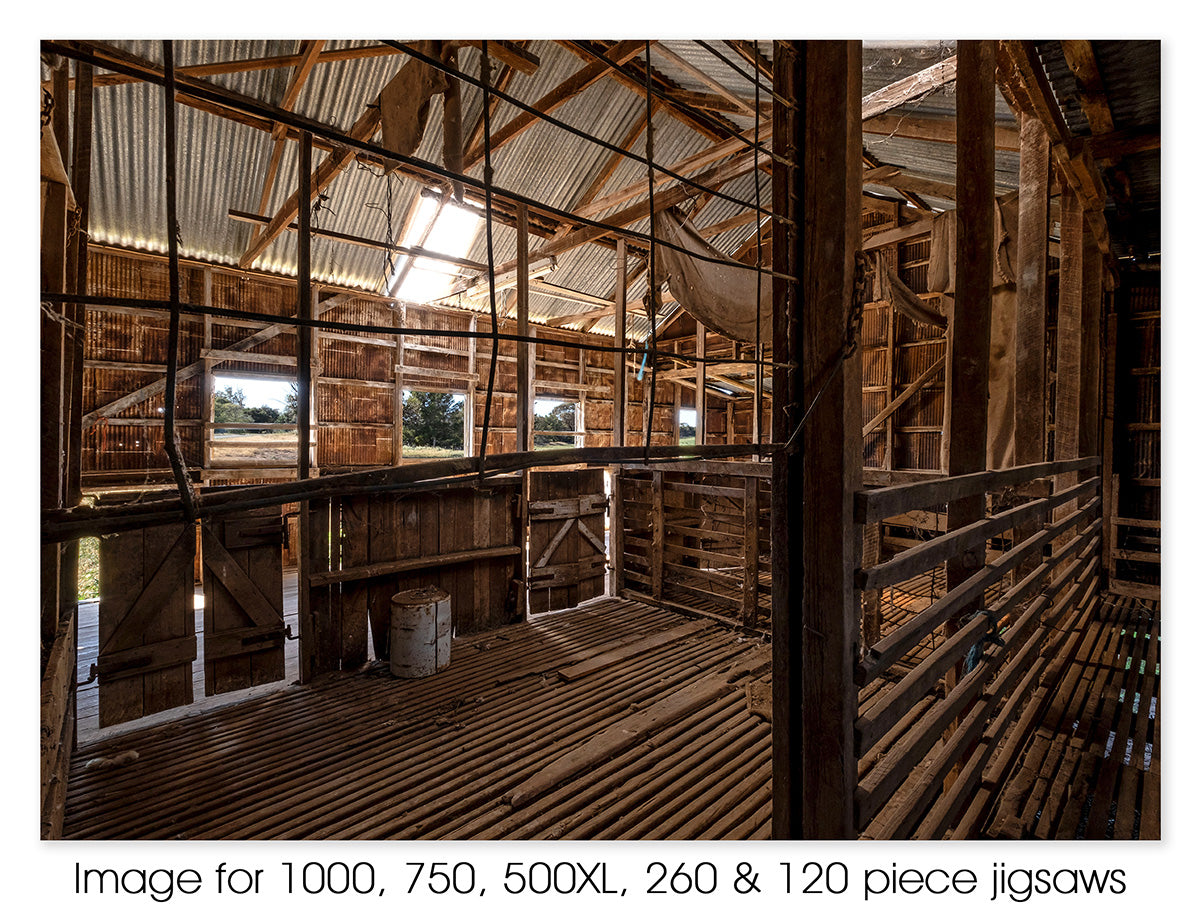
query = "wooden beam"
{"x": 363, "y": 129}
{"x": 701, "y": 382}
{"x": 556, "y": 97}
{"x": 620, "y": 373}
{"x": 252, "y": 64}
{"x": 1032, "y": 263}
{"x": 910, "y": 88}
{"x": 716, "y": 86}
{"x": 969, "y": 334}
{"x": 916, "y": 385}
{"x": 1093, "y": 97}
{"x": 933, "y": 130}
{"x": 308, "y": 59}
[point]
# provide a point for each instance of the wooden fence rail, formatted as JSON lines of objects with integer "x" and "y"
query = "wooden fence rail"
{"x": 697, "y": 541}
{"x": 918, "y": 732}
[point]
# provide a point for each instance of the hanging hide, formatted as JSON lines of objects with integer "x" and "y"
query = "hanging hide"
{"x": 404, "y": 103}
{"x": 722, "y": 294}
{"x": 1001, "y": 447}
{"x": 452, "y": 144}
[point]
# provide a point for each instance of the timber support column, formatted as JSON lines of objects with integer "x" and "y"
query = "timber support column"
{"x": 970, "y": 330}
{"x": 815, "y": 615}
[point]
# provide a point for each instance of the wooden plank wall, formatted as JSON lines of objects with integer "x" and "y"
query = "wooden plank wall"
{"x": 363, "y": 549}
{"x": 1136, "y": 533}
{"x": 354, "y": 382}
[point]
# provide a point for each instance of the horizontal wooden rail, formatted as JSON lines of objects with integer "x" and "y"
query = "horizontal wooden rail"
{"x": 355, "y": 573}
{"x": 954, "y": 543}
{"x": 877, "y": 505}
{"x": 929, "y": 781}
{"x": 879, "y": 718}
{"x": 892, "y": 647}
{"x": 982, "y": 726}
{"x": 898, "y": 763}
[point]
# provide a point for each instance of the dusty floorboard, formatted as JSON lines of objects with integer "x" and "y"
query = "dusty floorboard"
{"x": 654, "y": 741}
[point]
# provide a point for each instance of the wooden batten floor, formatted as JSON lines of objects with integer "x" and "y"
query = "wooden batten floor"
{"x": 613, "y": 720}
{"x": 1090, "y": 769}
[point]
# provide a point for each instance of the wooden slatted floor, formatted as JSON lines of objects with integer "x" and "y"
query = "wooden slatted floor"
{"x": 519, "y": 738}
{"x": 1091, "y": 767}
{"x": 615, "y": 721}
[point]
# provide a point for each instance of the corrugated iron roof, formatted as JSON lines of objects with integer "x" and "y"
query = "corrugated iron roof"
{"x": 222, "y": 163}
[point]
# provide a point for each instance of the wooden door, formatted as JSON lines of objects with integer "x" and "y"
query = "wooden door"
{"x": 567, "y": 551}
{"x": 243, "y": 600}
{"x": 147, "y": 621}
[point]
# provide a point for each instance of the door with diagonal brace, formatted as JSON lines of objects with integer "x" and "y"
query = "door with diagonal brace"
{"x": 567, "y": 544}
{"x": 147, "y": 631}
{"x": 243, "y": 600}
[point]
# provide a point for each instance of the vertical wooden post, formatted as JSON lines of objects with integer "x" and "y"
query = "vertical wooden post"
{"x": 620, "y": 396}
{"x": 833, "y": 437}
{"x": 616, "y": 512}
{"x": 1089, "y": 356}
{"x": 1032, "y": 256}
{"x": 658, "y": 536}
{"x": 701, "y": 381}
{"x": 969, "y": 339}
{"x": 310, "y": 532}
{"x": 787, "y": 574}
{"x": 206, "y": 386}
{"x": 818, "y": 615}
{"x": 469, "y": 447}
{"x": 1108, "y": 479}
{"x": 1069, "y": 336}
{"x": 889, "y": 458}
{"x": 1030, "y": 343}
{"x": 304, "y": 309}
{"x": 526, "y": 371}
{"x": 398, "y": 316}
{"x": 750, "y": 550}
{"x": 54, "y": 280}
{"x": 526, "y": 355}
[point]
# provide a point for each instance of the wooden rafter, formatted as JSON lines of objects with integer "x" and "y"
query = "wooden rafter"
{"x": 1093, "y": 98}
{"x": 556, "y": 97}
{"x": 1022, "y": 80}
{"x": 308, "y": 59}
{"x": 739, "y": 104}
{"x": 910, "y": 88}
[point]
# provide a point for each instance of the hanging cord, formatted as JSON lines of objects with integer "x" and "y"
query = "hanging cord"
{"x": 652, "y": 296}
{"x": 849, "y": 346}
{"x": 485, "y": 67}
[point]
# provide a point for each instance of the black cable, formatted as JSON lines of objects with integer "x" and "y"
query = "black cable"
{"x": 485, "y": 70}
{"x": 550, "y": 119}
{"x": 651, "y": 302}
{"x": 248, "y": 105}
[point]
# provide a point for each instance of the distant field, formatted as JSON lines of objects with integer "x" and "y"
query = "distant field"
{"x": 429, "y": 452}
{"x": 279, "y": 445}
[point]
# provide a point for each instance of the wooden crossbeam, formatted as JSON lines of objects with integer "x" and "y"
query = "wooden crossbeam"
{"x": 559, "y": 95}
{"x": 910, "y": 88}
{"x": 308, "y": 58}
{"x": 1093, "y": 97}
{"x": 916, "y": 385}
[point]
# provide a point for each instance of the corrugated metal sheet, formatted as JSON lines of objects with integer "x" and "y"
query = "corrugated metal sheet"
{"x": 223, "y": 163}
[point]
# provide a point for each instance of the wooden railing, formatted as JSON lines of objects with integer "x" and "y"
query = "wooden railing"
{"x": 695, "y": 537}
{"x": 933, "y": 724}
